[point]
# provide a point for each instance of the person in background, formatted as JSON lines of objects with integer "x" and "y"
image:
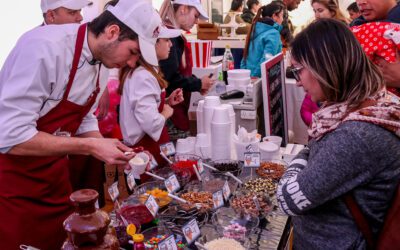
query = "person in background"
{"x": 308, "y": 108}
{"x": 177, "y": 69}
{"x": 328, "y": 9}
{"x": 48, "y": 87}
{"x": 355, "y": 146}
{"x": 144, "y": 108}
{"x": 62, "y": 11}
{"x": 250, "y": 12}
{"x": 264, "y": 38}
{"x": 322, "y": 9}
{"x": 385, "y": 11}
{"x": 287, "y": 26}
{"x": 353, "y": 10}
{"x": 236, "y": 9}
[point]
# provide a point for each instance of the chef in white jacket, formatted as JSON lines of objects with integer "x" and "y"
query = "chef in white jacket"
{"x": 48, "y": 89}
{"x": 62, "y": 11}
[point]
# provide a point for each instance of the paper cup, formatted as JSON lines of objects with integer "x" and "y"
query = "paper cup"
{"x": 221, "y": 116}
{"x": 139, "y": 168}
{"x": 212, "y": 101}
{"x": 269, "y": 151}
{"x": 274, "y": 139}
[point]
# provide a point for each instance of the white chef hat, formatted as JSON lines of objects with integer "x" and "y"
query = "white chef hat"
{"x": 47, "y": 5}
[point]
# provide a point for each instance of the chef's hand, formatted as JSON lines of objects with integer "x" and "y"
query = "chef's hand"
{"x": 390, "y": 71}
{"x": 206, "y": 84}
{"x": 104, "y": 104}
{"x": 167, "y": 111}
{"x": 175, "y": 97}
{"x": 111, "y": 151}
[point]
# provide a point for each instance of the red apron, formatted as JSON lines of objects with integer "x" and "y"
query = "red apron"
{"x": 34, "y": 191}
{"x": 180, "y": 117}
{"x": 154, "y": 146}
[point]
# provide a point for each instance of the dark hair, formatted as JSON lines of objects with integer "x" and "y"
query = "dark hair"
{"x": 266, "y": 11}
{"x": 353, "y": 7}
{"x": 330, "y": 51}
{"x": 236, "y": 4}
{"x": 98, "y": 25}
{"x": 250, "y": 3}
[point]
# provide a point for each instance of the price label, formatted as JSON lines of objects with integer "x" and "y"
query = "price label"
{"x": 153, "y": 163}
{"x": 252, "y": 159}
{"x": 113, "y": 191}
{"x": 256, "y": 202}
{"x": 226, "y": 190}
{"x": 152, "y": 205}
{"x": 172, "y": 184}
{"x": 131, "y": 181}
{"x": 168, "y": 243}
{"x": 218, "y": 199}
{"x": 168, "y": 149}
{"x": 191, "y": 231}
{"x": 200, "y": 167}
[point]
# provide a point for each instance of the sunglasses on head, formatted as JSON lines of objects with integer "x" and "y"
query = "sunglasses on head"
{"x": 296, "y": 72}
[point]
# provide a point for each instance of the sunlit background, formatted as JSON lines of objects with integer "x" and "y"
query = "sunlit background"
{"x": 19, "y": 16}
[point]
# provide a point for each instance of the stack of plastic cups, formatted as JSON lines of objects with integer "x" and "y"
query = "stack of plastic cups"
{"x": 200, "y": 117}
{"x": 202, "y": 147}
{"x": 186, "y": 146}
{"x": 221, "y": 136}
{"x": 191, "y": 143}
{"x": 182, "y": 146}
{"x": 210, "y": 103}
{"x": 232, "y": 117}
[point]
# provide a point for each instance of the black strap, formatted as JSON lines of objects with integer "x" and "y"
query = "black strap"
{"x": 360, "y": 220}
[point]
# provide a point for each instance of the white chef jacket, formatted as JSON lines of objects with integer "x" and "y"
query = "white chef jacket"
{"x": 139, "y": 107}
{"x": 34, "y": 77}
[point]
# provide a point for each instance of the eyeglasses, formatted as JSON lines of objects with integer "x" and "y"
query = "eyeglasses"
{"x": 296, "y": 72}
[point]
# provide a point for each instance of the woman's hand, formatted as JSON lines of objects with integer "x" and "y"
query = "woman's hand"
{"x": 175, "y": 97}
{"x": 167, "y": 111}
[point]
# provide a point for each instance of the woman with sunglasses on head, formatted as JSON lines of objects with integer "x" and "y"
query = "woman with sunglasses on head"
{"x": 144, "y": 107}
{"x": 355, "y": 145}
{"x": 264, "y": 38}
{"x": 177, "y": 68}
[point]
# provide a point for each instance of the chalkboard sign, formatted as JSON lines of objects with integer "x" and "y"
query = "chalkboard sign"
{"x": 274, "y": 98}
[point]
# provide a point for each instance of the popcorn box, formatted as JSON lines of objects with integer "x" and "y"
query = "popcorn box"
{"x": 201, "y": 53}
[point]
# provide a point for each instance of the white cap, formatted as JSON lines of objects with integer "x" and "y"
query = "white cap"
{"x": 142, "y": 18}
{"x": 47, "y": 5}
{"x": 194, "y": 3}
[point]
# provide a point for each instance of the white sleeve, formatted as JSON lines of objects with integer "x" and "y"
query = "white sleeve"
{"x": 90, "y": 122}
{"x": 147, "y": 92}
{"x": 25, "y": 84}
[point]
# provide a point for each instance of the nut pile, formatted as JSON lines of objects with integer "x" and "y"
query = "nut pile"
{"x": 202, "y": 199}
{"x": 228, "y": 166}
{"x": 271, "y": 170}
{"x": 260, "y": 185}
{"x": 217, "y": 184}
{"x": 247, "y": 205}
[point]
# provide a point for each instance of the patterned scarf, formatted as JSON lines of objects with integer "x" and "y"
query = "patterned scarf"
{"x": 381, "y": 109}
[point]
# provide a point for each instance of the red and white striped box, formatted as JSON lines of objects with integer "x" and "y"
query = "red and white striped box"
{"x": 201, "y": 53}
